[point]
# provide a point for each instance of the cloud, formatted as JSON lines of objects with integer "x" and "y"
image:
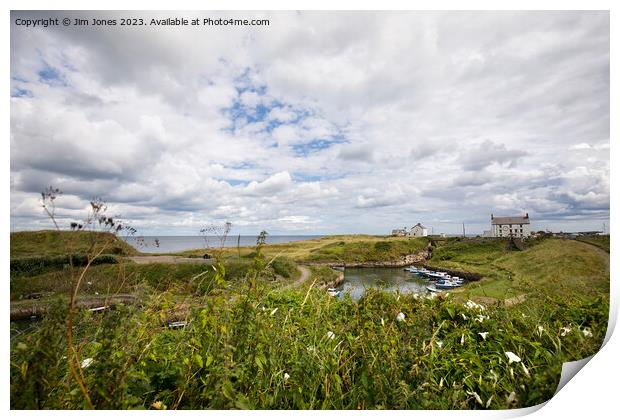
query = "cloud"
{"x": 321, "y": 122}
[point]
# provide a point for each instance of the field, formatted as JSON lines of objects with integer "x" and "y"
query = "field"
{"x": 257, "y": 333}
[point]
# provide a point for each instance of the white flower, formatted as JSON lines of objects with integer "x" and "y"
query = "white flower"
{"x": 462, "y": 339}
{"x": 286, "y": 376}
{"x": 96, "y": 293}
{"x": 416, "y": 296}
{"x": 400, "y": 317}
{"x": 382, "y": 322}
{"x": 439, "y": 343}
{"x": 464, "y": 316}
{"x": 513, "y": 357}
{"x": 331, "y": 335}
{"x": 470, "y": 304}
{"x": 483, "y": 335}
{"x": 527, "y": 372}
{"x": 564, "y": 331}
{"x": 476, "y": 396}
{"x": 89, "y": 282}
{"x": 274, "y": 311}
{"x": 86, "y": 362}
{"x": 586, "y": 332}
{"x": 540, "y": 330}
{"x": 481, "y": 317}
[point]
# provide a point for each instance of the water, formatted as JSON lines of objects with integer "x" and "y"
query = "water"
{"x": 357, "y": 280}
{"x": 161, "y": 244}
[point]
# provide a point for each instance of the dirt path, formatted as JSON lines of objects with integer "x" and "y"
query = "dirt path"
{"x": 305, "y": 275}
{"x": 169, "y": 259}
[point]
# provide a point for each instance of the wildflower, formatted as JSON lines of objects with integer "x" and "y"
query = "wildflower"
{"x": 462, "y": 339}
{"x": 89, "y": 282}
{"x": 400, "y": 317}
{"x": 86, "y": 363}
{"x": 475, "y": 394}
{"x": 96, "y": 293}
{"x": 540, "y": 330}
{"x": 416, "y": 296}
{"x": 481, "y": 317}
{"x": 439, "y": 343}
{"x": 157, "y": 405}
{"x": 470, "y": 304}
{"x": 483, "y": 335}
{"x": 286, "y": 376}
{"x": 274, "y": 311}
{"x": 525, "y": 370}
{"x": 586, "y": 332}
{"x": 564, "y": 331}
{"x": 513, "y": 357}
{"x": 382, "y": 322}
{"x": 331, "y": 335}
{"x": 464, "y": 316}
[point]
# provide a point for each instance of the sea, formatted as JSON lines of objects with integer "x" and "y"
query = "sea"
{"x": 162, "y": 244}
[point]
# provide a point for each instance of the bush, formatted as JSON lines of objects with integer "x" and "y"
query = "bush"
{"x": 32, "y": 266}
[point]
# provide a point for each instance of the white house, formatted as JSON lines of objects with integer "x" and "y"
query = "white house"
{"x": 418, "y": 230}
{"x": 512, "y": 226}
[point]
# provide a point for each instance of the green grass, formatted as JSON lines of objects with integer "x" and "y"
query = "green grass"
{"x": 554, "y": 266}
{"x": 52, "y": 243}
{"x": 601, "y": 241}
{"x": 272, "y": 350}
{"x": 336, "y": 249}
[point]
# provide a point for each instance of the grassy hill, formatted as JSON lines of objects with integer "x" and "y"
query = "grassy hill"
{"x": 52, "y": 242}
{"x": 552, "y": 266}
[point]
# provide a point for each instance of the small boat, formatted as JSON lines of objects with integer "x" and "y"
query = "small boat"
{"x": 338, "y": 267}
{"x": 437, "y": 275}
{"x": 432, "y": 289}
{"x": 333, "y": 292}
{"x": 412, "y": 269}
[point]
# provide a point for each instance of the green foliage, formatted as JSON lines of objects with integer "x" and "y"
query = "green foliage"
{"x": 273, "y": 350}
{"x": 48, "y": 242}
{"x": 361, "y": 251}
{"x": 32, "y": 266}
{"x": 601, "y": 241}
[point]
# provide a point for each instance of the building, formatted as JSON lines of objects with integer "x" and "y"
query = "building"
{"x": 512, "y": 226}
{"x": 399, "y": 232}
{"x": 418, "y": 230}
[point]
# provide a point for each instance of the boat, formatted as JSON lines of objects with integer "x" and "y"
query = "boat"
{"x": 338, "y": 267}
{"x": 437, "y": 275}
{"x": 432, "y": 289}
{"x": 333, "y": 292}
{"x": 447, "y": 284}
{"x": 412, "y": 269}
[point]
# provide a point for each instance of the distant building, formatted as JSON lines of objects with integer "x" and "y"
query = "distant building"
{"x": 418, "y": 230}
{"x": 399, "y": 232}
{"x": 512, "y": 226}
{"x": 487, "y": 233}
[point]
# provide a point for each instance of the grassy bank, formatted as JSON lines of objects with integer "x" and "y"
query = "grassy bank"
{"x": 336, "y": 249}
{"x": 553, "y": 266}
{"x": 53, "y": 243}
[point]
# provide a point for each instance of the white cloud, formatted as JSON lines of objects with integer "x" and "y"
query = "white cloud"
{"x": 323, "y": 121}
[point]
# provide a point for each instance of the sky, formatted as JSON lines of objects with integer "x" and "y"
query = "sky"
{"x": 319, "y": 123}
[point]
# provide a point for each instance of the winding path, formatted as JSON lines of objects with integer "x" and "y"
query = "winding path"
{"x": 305, "y": 275}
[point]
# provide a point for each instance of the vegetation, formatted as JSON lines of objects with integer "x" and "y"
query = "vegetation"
{"x": 305, "y": 350}
{"x": 552, "y": 265}
{"x": 601, "y": 241}
{"x": 248, "y": 332}
{"x": 337, "y": 249}
{"x": 53, "y": 243}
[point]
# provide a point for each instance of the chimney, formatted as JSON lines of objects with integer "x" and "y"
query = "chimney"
{"x": 491, "y": 216}
{"x": 527, "y": 216}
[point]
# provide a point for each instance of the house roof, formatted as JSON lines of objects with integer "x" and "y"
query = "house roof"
{"x": 510, "y": 220}
{"x": 420, "y": 225}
